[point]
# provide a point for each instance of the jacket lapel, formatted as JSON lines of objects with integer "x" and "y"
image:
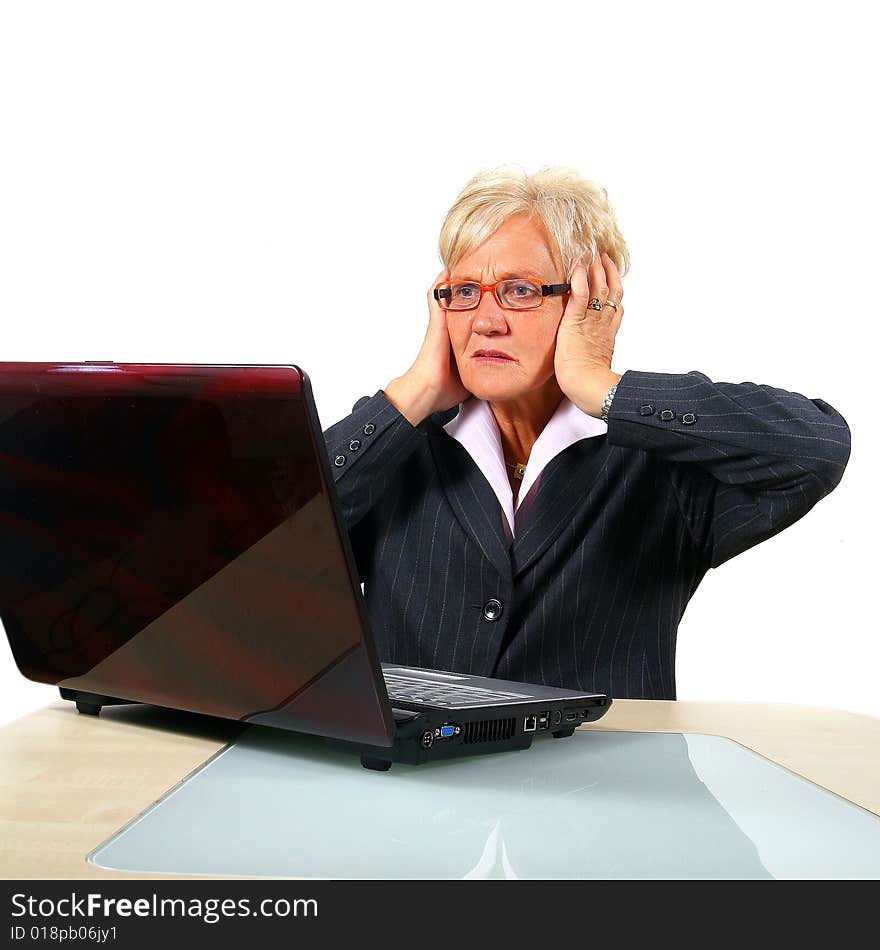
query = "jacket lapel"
{"x": 470, "y": 496}
{"x": 565, "y": 486}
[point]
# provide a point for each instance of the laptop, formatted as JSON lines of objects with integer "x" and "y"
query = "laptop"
{"x": 171, "y": 535}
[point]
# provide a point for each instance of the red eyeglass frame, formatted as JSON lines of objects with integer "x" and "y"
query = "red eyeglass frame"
{"x": 547, "y": 290}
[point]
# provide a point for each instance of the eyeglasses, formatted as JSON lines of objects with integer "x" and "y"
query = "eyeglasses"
{"x": 514, "y": 293}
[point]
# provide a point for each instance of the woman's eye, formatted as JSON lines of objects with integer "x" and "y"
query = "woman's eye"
{"x": 523, "y": 290}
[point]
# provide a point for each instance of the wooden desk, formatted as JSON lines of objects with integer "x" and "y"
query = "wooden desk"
{"x": 68, "y": 781}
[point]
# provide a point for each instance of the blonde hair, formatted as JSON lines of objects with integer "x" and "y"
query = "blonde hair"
{"x": 575, "y": 212}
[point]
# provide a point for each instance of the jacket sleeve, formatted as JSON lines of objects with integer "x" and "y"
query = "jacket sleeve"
{"x": 365, "y": 450}
{"x": 746, "y": 460}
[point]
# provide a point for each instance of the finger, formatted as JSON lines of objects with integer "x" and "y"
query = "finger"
{"x": 598, "y": 281}
{"x": 615, "y": 316}
{"x": 579, "y": 293}
{"x": 443, "y": 275}
{"x": 612, "y": 276}
{"x": 434, "y": 305}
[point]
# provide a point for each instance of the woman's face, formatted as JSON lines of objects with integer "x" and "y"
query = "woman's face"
{"x": 519, "y": 248}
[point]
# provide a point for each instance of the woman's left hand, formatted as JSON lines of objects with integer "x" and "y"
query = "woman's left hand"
{"x": 585, "y": 336}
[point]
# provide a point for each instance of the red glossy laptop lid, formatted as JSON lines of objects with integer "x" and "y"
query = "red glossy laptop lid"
{"x": 168, "y": 535}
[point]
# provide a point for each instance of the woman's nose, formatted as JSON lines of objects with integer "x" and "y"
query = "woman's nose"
{"x": 488, "y": 316}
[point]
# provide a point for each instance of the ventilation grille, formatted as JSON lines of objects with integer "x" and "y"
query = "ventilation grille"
{"x": 493, "y": 730}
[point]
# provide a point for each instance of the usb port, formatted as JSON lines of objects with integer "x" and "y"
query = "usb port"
{"x": 544, "y": 720}
{"x": 531, "y": 724}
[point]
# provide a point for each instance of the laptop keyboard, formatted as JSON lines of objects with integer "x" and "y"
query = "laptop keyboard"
{"x": 412, "y": 690}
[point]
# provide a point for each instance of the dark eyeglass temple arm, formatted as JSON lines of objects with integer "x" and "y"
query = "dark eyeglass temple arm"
{"x": 443, "y": 292}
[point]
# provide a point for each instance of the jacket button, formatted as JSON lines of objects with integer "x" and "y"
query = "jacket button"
{"x": 354, "y": 445}
{"x": 647, "y": 410}
{"x": 369, "y": 428}
{"x": 493, "y": 609}
{"x": 689, "y": 418}
{"x": 339, "y": 460}
{"x": 667, "y": 414}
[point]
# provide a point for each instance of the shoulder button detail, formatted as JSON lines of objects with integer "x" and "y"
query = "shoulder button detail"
{"x": 354, "y": 445}
{"x": 667, "y": 414}
{"x": 689, "y": 418}
{"x": 646, "y": 410}
{"x": 369, "y": 428}
{"x": 339, "y": 460}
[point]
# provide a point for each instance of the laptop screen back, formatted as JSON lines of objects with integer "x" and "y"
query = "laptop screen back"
{"x": 167, "y": 535}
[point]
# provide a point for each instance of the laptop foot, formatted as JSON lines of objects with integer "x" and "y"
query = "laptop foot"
{"x": 562, "y": 733}
{"x": 89, "y": 704}
{"x": 378, "y": 765}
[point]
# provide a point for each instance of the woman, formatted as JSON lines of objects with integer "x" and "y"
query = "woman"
{"x": 518, "y": 509}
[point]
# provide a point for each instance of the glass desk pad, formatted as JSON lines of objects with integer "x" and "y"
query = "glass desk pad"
{"x": 595, "y": 805}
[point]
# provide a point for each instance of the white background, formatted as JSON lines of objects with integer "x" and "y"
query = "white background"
{"x": 225, "y": 182}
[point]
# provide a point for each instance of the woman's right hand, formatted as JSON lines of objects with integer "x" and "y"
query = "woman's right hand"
{"x": 432, "y": 383}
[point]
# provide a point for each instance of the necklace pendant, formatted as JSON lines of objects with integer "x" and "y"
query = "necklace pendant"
{"x": 519, "y": 471}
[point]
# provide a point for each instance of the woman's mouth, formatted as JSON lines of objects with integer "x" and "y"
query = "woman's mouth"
{"x": 492, "y": 356}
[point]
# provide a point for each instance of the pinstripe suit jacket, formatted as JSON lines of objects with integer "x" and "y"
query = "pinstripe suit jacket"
{"x": 622, "y": 528}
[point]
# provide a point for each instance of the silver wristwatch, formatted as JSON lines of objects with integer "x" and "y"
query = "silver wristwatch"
{"x": 606, "y": 403}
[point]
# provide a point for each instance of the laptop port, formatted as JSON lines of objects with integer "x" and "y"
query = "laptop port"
{"x": 570, "y": 716}
{"x": 531, "y": 724}
{"x": 544, "y": 720}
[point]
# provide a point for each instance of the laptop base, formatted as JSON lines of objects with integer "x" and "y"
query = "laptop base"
{"x": 414, "y": 745}
{"x": 381, "y": 760}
